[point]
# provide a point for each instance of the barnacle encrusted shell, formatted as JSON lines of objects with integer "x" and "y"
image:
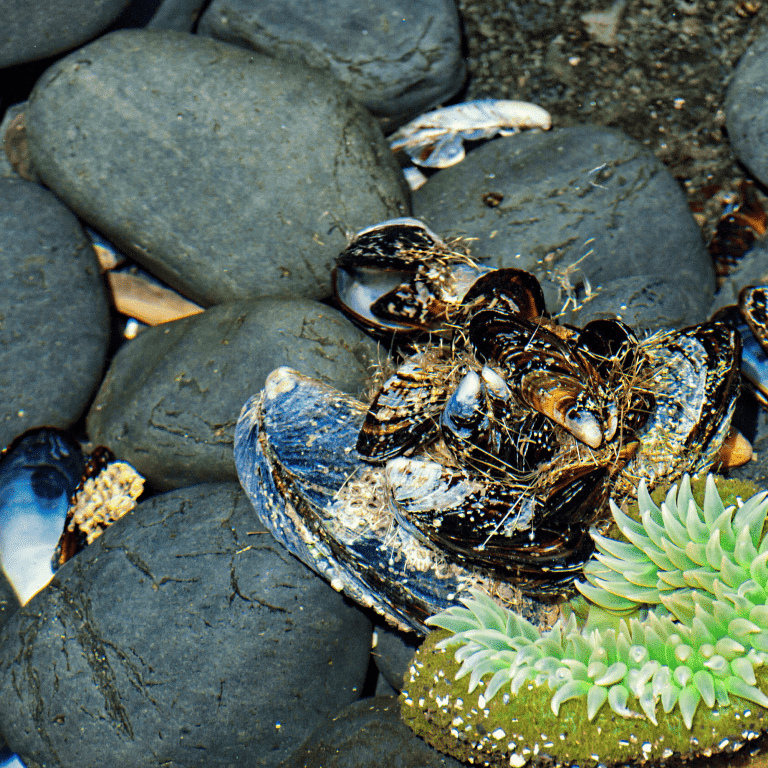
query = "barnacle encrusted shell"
{"x": 104, "y": 499}
{"x": 686, "y": 676}
{"x": 295, "y": 456}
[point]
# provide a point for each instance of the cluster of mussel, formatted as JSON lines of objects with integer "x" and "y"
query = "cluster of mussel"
{"x": 485, "y": 457}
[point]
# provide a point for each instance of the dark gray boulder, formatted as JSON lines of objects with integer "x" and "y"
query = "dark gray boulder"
{"x": 32, "y": 31}
{"x": 54, "y": 317}
{"x": 171, "y": 397}
{"x": 399, "y": 58}
{"x": 185, "y": 635}
{"x": 579, "y": 207}
{"x": 225, "y": 173}
{"x": 746, "y": 109}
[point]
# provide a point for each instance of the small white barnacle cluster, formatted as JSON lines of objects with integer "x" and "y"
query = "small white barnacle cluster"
{"x": 104, "y": 499}
{"x": 671, "y": 655}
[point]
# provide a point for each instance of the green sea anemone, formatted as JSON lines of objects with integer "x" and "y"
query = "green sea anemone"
{"x": 671, "y": 658}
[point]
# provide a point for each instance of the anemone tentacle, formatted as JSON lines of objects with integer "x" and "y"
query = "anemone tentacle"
{"x": 679, "y": 619}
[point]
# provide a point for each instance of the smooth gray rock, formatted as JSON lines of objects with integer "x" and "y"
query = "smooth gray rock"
{"x": 185, "y": 635}
{"x": 367, "y": 734}
{"x": 746, "y": 109}
{"x": 399, "y": 57}
{"x": 178, "y": 15}
{"x": 227, "y": 174}
{"x": 393, "y": 654}
{"x": 32, "y": 31}
{"x": 171, "y": 397}
{"x": 643, "y": 302}
{"x": 567, "y": 193}
{"x": 54, "y": 317}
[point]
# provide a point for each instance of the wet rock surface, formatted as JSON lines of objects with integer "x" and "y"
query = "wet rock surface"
{"x": 643, "y": 302}
{"x": 221, "y": 171}
{"x": 399, "y": 59}
{"x": 746, "y": 109}
{"x": 171, "y": 398}
{"x": 184, "y": 634}
{"x": 367, "y": 734}
{"x": 54, "y": 320}
{"x": 576, "y": 203}
{"x": 393, "y": 653}
{"x": 34, "y": 31}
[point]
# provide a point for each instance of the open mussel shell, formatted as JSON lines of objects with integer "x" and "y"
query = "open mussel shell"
{"x": 37, "y": 478}
{"x": 376, "y": 262}
{"x": 399, "y": 276}
{"x": 694, "y": 380}
{"x": 295, "y": 456}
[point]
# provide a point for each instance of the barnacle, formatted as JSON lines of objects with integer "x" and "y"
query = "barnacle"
{"x": 626, "y": 685}
{"x": 104, "y": 499}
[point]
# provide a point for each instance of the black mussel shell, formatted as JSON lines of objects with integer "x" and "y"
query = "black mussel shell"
{"x": 38, "y": 475}
{"x": 406, "y": 410}
{"x": 512, "y": 291}
{"x": 540, "y": 542}
{"x": 695, "y": 385}
{"x": 386, "y": 245}
{"x": 378, "y": 261}
{"x": 495, "y": 439}
{"x": 544, "y": 372}
{"x": 754, "y": 359}
{"x": 295, "y": 456}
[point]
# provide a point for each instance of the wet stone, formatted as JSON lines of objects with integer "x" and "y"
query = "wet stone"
{"x": 54, "y": 318}
{"x": 183, "y": 636}
{"x": 564, "y": 194}
{"x": 367, "y": 734}
{"x": 398, "y": 58}
{"x": 746, "y": 109}
{"x": 225, "y": 173}
{"x": 171, "y": 397}
{"x": 33, "y": 31}
{"x": 393, "y": 654}
{"x": 643, "y": 302}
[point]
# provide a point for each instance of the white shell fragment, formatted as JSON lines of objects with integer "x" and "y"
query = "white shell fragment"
{"x": 436, "y": 139}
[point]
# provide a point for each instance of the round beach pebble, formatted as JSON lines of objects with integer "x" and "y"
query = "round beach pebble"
{"x": 54, "y": 316}
{"x": 399, "y": 58}
{"x": 227, "y": 174}
{"x": 171, "y": 397}
{"x": 367, "y": 734}
{"x": 185, "y": 635}
{"x": 32, "y": 31}
{"x": 576, "y": 206}
{"x": 746, "y": 109}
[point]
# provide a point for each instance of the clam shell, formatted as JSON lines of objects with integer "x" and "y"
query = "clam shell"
{"x": 295, "y": 456}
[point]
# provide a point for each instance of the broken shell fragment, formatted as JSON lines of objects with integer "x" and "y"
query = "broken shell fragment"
{"x": 436, "y": 139}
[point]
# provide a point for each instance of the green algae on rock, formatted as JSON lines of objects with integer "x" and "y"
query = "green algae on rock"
{"x": 577, "y": 693}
